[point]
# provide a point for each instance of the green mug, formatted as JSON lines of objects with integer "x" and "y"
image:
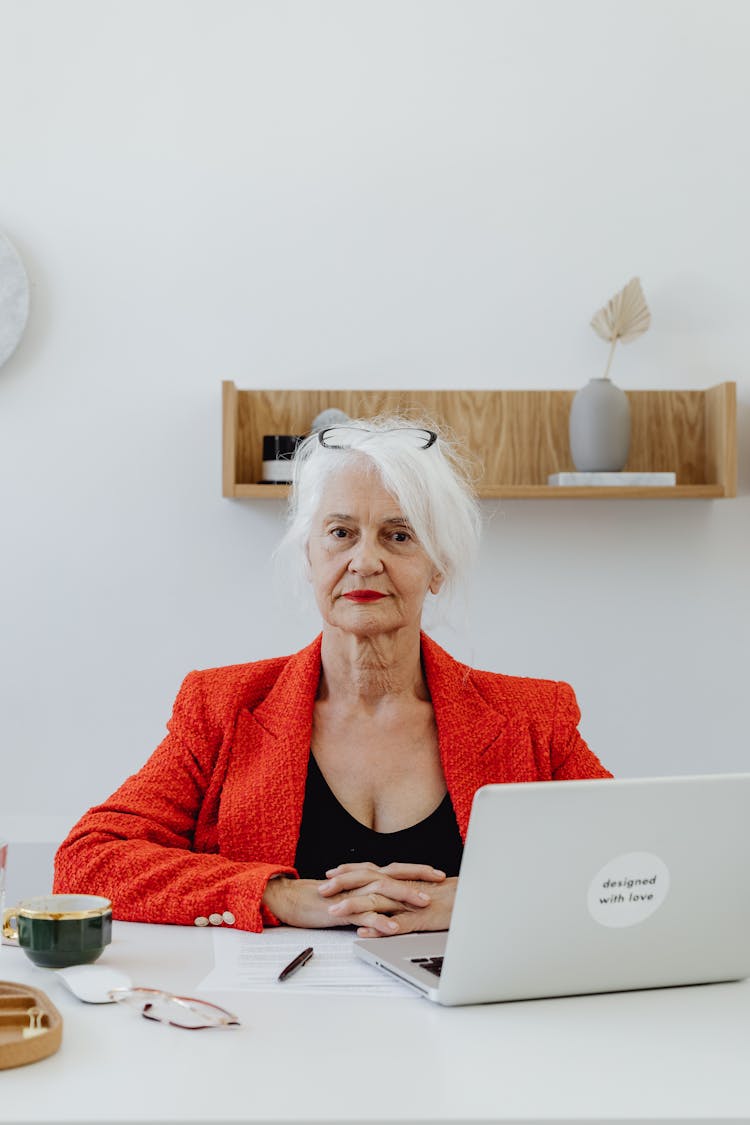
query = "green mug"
{"x": 55, "y": 931}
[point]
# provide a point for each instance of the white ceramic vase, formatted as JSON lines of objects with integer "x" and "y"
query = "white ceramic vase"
{"x": 600, "y": 428}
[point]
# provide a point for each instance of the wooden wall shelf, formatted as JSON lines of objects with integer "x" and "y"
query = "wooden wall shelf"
{"x": 520, "y": 437}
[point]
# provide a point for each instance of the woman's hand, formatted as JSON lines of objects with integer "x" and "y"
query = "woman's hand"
{"x": 401, "y": 898}
{"x": 297, "y": 902}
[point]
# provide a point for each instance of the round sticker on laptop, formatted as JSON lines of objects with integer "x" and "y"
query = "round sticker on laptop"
{"x": 628, "y": 889}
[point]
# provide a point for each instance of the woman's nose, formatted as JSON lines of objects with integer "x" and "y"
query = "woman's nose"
{"x": 365, "y": 558}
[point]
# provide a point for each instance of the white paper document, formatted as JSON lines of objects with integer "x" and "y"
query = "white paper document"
{"x": 252, "y": 963}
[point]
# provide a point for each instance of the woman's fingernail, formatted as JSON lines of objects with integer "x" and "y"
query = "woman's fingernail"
{"x": 332, "y": 871}
{"x": 393, "y": 925}
{"x": 336, "y": 908}
{"x": 423, "y": 896}
{"x": 435, "y": 869}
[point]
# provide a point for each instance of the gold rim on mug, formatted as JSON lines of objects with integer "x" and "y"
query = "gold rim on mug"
{"x": 22, "y": 911}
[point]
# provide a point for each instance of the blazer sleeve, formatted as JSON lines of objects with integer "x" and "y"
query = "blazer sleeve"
{"x": 137, "y": 848}
{"x": 570, "y": 757}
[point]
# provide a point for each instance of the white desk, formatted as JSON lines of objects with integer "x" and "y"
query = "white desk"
{"x": 676, "y": 1053}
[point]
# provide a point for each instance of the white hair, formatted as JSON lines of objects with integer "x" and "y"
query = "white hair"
{"x": 431, "y": 486}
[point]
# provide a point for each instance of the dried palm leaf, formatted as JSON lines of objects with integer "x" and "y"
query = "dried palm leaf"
{"x": 625, "y": 317}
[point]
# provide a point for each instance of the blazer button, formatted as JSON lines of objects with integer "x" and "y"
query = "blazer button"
{"x": 215, "y": 919}
{"x": 228, "y": 917}
{"x": 201, "y": 921}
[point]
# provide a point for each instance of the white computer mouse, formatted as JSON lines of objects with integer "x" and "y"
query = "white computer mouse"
{"x": 91, "y": 983}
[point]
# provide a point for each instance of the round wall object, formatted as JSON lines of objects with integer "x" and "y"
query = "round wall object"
{"x": 14, "y": 298}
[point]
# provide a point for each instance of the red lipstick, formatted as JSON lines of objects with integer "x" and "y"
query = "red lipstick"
{"x": 364, "y": 596}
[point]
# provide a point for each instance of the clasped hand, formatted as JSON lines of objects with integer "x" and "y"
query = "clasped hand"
{"x": 401, "y": 898}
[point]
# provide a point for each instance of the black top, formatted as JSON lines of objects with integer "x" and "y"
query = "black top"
{"x": 329, "y": 835}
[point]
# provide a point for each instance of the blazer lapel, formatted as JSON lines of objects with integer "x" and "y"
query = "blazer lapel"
{"x": 261, "y": 808}
{"x": 475, "y": 738}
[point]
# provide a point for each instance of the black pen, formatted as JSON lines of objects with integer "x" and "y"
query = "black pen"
{"x": 300, "y": 960}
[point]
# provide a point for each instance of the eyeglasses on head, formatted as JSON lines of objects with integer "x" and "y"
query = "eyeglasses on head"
{"x": 345, "y": 437}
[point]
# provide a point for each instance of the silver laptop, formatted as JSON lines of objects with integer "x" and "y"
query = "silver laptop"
{"x": 590, "y": 886}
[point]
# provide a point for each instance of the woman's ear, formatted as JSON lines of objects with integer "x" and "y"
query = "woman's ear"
{"x": 436, "y": 582}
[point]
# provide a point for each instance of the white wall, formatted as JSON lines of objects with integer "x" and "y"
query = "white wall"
{"x": 345, "y": 193}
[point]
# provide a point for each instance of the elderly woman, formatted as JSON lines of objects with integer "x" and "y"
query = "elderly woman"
{"x": 334, "y": 787}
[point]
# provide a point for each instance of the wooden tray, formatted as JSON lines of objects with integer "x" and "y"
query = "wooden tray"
{"x": 21, "y": 1009}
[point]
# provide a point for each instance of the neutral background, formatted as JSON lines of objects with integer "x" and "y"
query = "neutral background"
{"x": 336, "y": 193}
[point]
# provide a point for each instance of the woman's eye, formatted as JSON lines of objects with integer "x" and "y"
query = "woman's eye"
{"x": 339, "y": 532}
{"x": 401, "y": 536}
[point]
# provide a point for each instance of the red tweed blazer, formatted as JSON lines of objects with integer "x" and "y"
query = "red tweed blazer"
{"x": 216, "y": 810}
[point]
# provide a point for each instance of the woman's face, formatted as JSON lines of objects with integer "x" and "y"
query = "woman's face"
{"x": 369, "y": 573}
